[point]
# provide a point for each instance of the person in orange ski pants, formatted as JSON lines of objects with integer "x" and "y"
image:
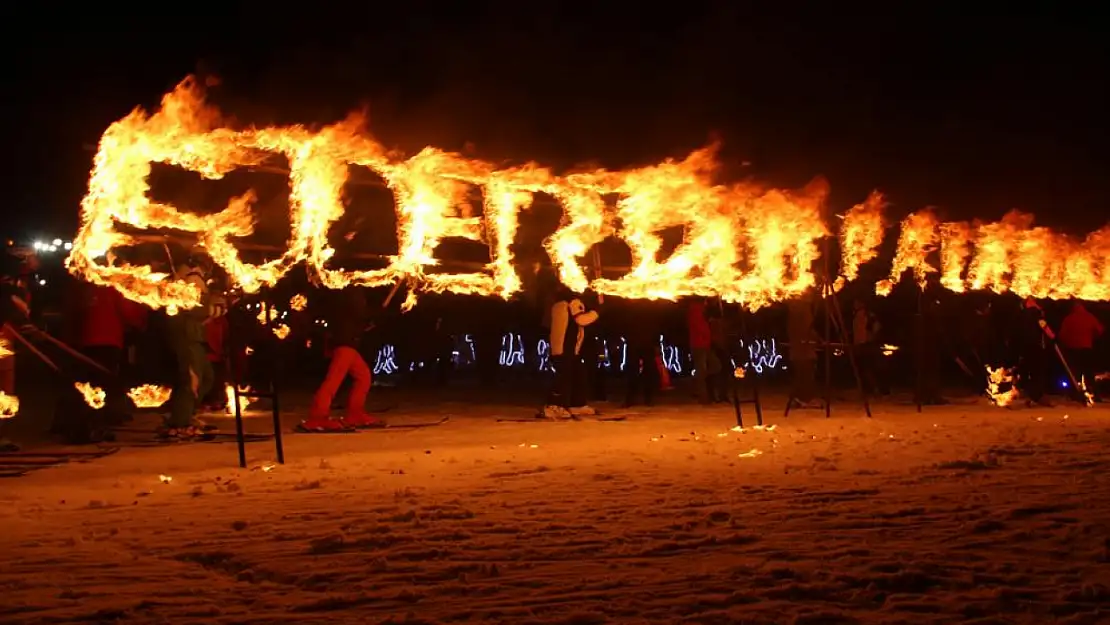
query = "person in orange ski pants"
{"x": 347, "y": 323}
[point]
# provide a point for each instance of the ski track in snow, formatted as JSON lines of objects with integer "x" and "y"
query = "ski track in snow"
{"x": 964, "y": 514}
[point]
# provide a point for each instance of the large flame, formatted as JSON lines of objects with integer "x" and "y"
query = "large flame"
{"x": 747, "y": 244}
{"x": 742, "y": 242}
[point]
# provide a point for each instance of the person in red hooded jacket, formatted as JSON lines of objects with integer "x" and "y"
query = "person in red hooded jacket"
{"x": 101, "y": 317}
{"x": 706, "y": 365}
{"x": 1078, "y": 333}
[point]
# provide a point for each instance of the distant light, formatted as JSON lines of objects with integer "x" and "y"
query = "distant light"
{"x": 57, "y": 241}
{"x": 37, "y": 245}
{"x": 1064, "y": 384}
{"x": 68, "y": 246}
{"x": 42, "y": 282}
{"x": 53, "y": 248}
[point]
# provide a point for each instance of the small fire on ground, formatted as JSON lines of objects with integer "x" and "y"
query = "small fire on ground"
{"x": 9, "y": 405}
{"x": 995, "y": 379}
{"x": 149, "y": 395}
{"x": 93, "y": 396}
{"x": 243, "y": 401}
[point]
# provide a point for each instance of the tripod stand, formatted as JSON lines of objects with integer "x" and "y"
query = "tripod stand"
{"x": 834, "y": 321}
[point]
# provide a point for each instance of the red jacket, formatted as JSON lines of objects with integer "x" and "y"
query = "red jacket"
{"x": 104, "y": 315}
{"x": 701, "y": 336}
{"x": 1079, "y": 329}
{"x": 216, "y": 330}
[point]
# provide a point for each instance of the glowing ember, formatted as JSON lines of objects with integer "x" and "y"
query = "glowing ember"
{"x": 751, "y": 453}
{"x": 298, "y": 302}
{"x": 149, "y": 395}
{"x": 165, "y": 479}
{"x": 281, "y": 331}
{"x": 1102, "y": 377}
{"x": 888, "y": 350}
{"x": 9, "y": 405}
{"x": 5, "y": 348}
{"x": 995, "y": 379}
{"x": 92, "y": 395}
{"x": 262, "y": 314}
{"x": 229, "y": 392}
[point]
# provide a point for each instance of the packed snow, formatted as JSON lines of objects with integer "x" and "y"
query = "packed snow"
{"x": 960, "y": 514}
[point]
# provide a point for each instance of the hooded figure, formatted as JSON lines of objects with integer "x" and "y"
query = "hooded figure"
{"x": 1034, "y": 338}
{"x": 189, "y": 342}
{"x": 569, "y": 319}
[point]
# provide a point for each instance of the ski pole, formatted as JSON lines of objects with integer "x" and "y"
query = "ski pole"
{"x": 1079, "y": 388}
{"x": 73, "y": 352}
{"x": 34, "y": 350}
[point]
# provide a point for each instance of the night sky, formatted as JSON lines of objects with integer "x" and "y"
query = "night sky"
{"x": 975, "y": 115}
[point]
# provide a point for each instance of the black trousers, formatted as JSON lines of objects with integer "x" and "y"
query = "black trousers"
{"x": 1033, "y": 371}
{"x": 869, "y": 357}
{"x": 1083, "y": 366}
{"x": 570, "y": 390}
{"x": 721, "y": 382}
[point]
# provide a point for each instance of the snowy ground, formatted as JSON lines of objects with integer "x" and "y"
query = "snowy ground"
{"x": 965, "y": 514}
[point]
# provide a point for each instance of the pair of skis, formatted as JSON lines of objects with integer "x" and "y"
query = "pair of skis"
{"x": 383, "y": 428}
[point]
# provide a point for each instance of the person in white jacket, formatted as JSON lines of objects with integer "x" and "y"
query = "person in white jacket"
{"x": 569, "y": 319}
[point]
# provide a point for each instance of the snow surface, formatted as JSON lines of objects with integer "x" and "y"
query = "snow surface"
{"x": 963, "y": 514}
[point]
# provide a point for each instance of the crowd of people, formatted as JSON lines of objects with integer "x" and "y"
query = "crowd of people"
{"x": 200, "y": 358}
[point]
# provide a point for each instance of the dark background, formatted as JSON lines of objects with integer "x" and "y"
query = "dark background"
{"x": 975, "y": 114}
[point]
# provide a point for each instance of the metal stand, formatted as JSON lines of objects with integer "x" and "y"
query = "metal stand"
{"x": 272, "y": 395}
{"x": 834, "y": 317}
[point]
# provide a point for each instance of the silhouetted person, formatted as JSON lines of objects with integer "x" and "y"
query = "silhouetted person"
{"x": 701, "y": 340}
{"x": 569, "y": 319}
{"x": 1078, "y": 332}
{"x": 803, "y": 349}
{"x": 641, "y": 331}
{"x": 868, "y": 351}
{"x": 720, "y": 382}
{"x": 930, "y": 345}
{"x": 1033, "y": 342}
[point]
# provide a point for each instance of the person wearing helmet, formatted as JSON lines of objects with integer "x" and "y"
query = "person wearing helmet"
{"x": 189, "y": 341}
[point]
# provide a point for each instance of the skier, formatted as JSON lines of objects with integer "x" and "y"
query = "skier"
{"x": 216, "y": 331}
{"x": 569, "y": 318}
{"x": 803, "y": 352}
{"x": 102, "y": 317}
{"x": 188, "y": 340}
{"x": 642, "y": 339}
{"x": 706, "y": 365}
{"x": 349, "y": 320}
{"x": 1078, "y": 332}
{"x": 865, "y": 334}
{"x": 15, "y": 311}
{"x": 718, "y": 344}
{"x": 1034, "y": 338}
